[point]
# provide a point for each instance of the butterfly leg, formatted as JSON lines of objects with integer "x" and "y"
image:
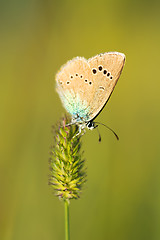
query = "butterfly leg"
{"x": 81, "y": 127}
{"x": 73, "y": 122}
{"x": 69, "y": 124}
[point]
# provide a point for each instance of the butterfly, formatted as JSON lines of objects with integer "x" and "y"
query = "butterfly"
{"x": 85, "y": 86}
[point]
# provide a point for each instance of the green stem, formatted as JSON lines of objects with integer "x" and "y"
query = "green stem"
{"x": 67, "y": 233}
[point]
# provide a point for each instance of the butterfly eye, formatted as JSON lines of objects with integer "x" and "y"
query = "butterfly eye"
{"x": 86, "y": 80}
{"x": 111, "y": 77}
{"x": 105, "y": 71}
{"x": 68, "y": 82}
{"x": 90, "y": 83}
{"x": 108, "y": 74}
{"x": 71, "y": 76}
{"x": 76, "y": 74}
{"x": 89, "y": 125}
{"x": 81, "y": 76}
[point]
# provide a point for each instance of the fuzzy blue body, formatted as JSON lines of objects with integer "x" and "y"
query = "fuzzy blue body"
{"x": 75, "y": 106}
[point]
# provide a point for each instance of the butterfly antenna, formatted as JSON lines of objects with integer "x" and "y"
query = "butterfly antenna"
{"x": 109, "y": 129}
{"x": 98, "y": 133}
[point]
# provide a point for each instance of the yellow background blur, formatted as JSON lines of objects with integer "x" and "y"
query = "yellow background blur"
{"x": 121, "y": 199}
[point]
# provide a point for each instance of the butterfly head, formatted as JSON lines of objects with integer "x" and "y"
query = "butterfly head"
{"x": 91, "y": 125}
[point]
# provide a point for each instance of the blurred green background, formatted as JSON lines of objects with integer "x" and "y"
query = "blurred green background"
{"x": 121, "y": 199}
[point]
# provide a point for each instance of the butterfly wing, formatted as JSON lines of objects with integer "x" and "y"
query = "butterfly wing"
{"x": 73, "y": 87}
{"x": 106, "y": 69}
{"x": 85, "y": 86}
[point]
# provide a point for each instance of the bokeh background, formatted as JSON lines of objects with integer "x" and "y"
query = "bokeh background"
{"x": 121, "y": 199}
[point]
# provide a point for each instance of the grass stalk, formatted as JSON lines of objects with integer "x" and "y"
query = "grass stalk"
{"x": 67, "y": 230}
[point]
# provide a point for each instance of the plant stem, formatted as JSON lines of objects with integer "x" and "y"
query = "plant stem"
{"x": 67, "y": 233}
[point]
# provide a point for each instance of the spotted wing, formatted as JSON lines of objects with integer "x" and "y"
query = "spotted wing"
{"x": 85, "y": 86}
{"x": 106, "y": 69}
{"x": 73, "y": 87}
